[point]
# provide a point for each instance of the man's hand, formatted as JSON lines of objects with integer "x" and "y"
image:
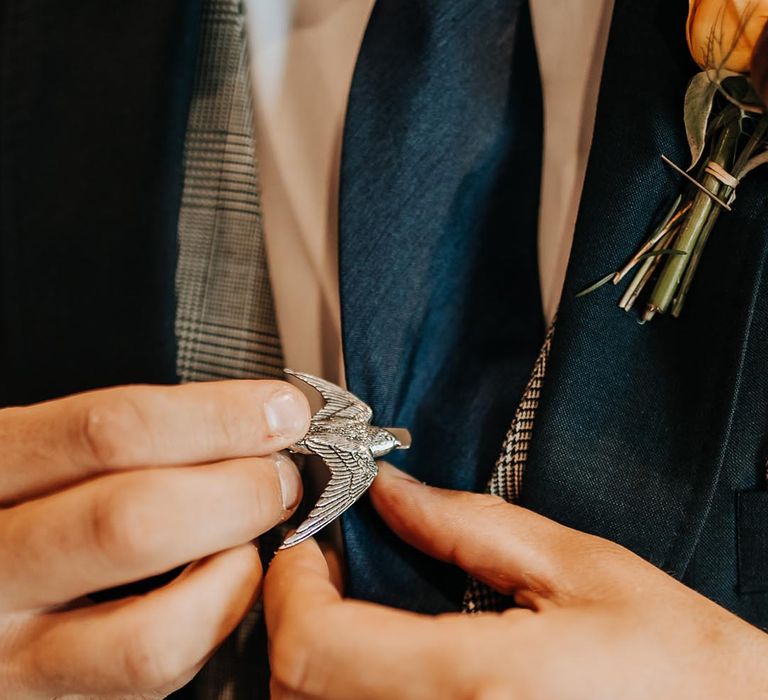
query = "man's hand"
{"x": 114, "y": 486}
{"x": 595, "y": 620}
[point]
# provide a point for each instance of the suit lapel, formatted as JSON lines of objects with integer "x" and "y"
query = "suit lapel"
{"x": 634, "y": 421}
{"x": 94, "y": 105}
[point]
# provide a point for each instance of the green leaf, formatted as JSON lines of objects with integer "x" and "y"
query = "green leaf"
{"x": 718, "y": 75}
{"x": 604, "y": 280}
{"x": 754, "y": 162}
{"x": 737, "y": 88}
{"x": 594, "y": 287}
{"x": 656, "y": 253}
{"x": 698, "y": 108}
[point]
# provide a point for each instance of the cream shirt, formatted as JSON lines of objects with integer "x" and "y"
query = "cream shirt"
{"x": 303, "y": 55}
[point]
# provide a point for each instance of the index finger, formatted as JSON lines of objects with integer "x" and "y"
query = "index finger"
{"x": 323, "y": 646}
{"x": 53, "y": 444}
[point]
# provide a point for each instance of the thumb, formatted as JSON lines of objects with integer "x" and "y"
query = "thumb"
{"x": 513, "y": 550}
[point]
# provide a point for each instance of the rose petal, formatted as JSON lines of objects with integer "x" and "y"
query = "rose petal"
{"x": 759, "y": 69}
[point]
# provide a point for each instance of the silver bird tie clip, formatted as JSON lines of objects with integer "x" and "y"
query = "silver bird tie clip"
{"x": 341, "y": 434}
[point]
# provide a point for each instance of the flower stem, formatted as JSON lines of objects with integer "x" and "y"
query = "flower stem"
{"x": 690, "y": 270}
{"x": 645, "y": 273}
{"x": 753, "y": 142}
{"x": 695, "y": 222}
{"x": 749, "y": 148}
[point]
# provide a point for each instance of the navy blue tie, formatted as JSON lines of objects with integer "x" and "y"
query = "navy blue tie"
{"x": 439, "y": 281}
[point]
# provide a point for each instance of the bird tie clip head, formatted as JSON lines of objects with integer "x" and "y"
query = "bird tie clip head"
{"x": 342, "y": 436}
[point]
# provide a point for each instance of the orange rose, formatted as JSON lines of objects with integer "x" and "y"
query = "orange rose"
{"x": 759, "y": 68}
{"x": 723, "y": 33}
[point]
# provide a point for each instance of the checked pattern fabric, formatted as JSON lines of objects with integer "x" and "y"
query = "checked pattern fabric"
{"x": 507, "y": 478}
{"x": 225, "y": 318}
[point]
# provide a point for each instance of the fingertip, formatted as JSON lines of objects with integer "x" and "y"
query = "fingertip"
{"x": 150, "y": 641}
{"x": 287, "y": 412}
{"x": 241, "y": 565}
{"x": 388, "y": 471}
{"x": 291, "y": 487}
{"x": 297, "y": 576}
{"x": 306, "y": 555}
{"x": 248, "y": 557}
{"x": 394, "y": 491}
{"x": 335, "y": 566}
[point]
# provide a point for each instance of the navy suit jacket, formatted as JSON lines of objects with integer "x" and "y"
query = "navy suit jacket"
{"x": 654, "y": 436}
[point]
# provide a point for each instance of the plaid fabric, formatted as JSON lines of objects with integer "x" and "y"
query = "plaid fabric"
{"x": 507, "y": 478}
{"x": 225, "y": 320}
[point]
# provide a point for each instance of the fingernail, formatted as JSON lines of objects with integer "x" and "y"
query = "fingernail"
{"x": 286, "y": 413}
{"x": 397, "y": 473}
{"x": 290, "y": 481}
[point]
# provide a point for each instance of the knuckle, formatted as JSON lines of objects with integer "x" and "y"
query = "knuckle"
{"x": 485, "y": 506}
{"x": 291, "y": 652}
{"x": 282, "y": 656}
{"x": 107, "y": 429}
{"x": 583, "y": 567}
{"x": 291, "y": 671}
{"x": 554, "y": 572}
{"x": 603, "y": 552}
{"x": 494, "y": 691}
{"x": 262, "y": 499}
{"x": 613, "y": 569}
{"x": 277, "y": 692}
{"x": 592, "y": 553}
{"x": 19, "y": 655}
{"x": 150, "y": 662}
{"x": 479, "y": 501}
{"x": 492, "y": 503}
{"x": 285, "y": 662}
{"x": 119, "y": 525}
{"x": 234, "y": 425}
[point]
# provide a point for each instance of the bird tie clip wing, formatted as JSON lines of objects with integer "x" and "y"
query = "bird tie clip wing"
{"x": 342, "y": 436}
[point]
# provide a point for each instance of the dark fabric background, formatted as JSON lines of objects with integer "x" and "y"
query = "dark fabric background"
{"x": 93, "y": 104}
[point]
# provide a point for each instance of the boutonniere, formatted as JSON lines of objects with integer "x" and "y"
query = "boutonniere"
{"x": 727, "y": 129}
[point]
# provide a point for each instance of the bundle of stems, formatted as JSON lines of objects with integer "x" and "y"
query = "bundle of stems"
{"x": 667, "y": 262}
